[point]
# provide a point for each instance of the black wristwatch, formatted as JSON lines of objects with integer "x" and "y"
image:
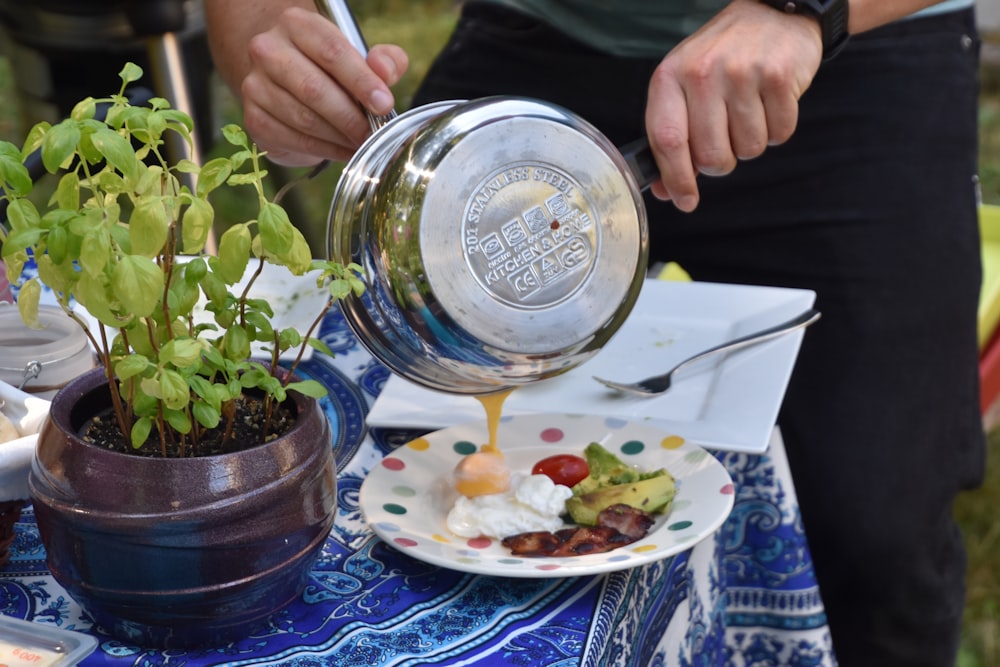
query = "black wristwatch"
{"x": 832, "y": 17}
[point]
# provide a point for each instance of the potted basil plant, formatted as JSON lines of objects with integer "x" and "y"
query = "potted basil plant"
{"x": 183, "y": 488}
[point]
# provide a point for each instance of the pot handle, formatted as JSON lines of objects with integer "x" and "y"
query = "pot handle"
{"x": 639, "y": 158}
{"x": 338, "y": 12}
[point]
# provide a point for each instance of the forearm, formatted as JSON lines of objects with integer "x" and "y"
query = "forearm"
{"x": 867, "y": 14}
{"x": 230, "y": 25}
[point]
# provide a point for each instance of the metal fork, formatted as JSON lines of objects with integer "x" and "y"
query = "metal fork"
{"x": 658, "y": 384}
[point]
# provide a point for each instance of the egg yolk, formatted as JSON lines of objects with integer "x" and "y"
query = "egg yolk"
{"x": 480, "y": 474}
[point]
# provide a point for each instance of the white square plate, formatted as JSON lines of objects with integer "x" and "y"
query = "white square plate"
{"x": 727, "y": 403}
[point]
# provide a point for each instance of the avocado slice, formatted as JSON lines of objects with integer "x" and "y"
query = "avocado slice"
{"x": 606, "y": 469}
{"x": 652, "y": 495}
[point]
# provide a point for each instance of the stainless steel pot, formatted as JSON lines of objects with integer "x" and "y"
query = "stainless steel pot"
{"x": 503, "y": 240}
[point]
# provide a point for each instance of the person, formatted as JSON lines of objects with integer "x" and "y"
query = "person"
{"x": 782, "y": 162}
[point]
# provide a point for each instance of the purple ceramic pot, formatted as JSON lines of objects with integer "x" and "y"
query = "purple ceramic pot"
{"x": 180, "y": 552}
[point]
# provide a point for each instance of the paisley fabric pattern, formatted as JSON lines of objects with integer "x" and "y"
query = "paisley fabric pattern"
{"x": 744, "y": 597}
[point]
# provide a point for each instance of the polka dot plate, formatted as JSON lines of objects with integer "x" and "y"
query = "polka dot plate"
{"x": 406, "y": 497}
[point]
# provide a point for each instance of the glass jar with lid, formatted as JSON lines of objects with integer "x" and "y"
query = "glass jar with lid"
{"x": 41, "y": 361}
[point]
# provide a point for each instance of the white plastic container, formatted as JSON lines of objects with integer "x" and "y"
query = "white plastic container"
{"x": 40, "y": 361}
{"x": 30, "y": 644}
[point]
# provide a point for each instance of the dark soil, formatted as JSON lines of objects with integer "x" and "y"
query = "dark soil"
{"x": 248, "y": 430}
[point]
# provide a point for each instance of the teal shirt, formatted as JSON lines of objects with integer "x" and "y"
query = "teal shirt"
{"x": 640, "y": 28}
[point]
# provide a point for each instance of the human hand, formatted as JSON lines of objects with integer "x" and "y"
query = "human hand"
{"x": 726, "y": 93}
{"x": 301, "y": 94}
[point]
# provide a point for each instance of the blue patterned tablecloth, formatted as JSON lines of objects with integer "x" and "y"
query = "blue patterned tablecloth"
{"x": 746, "y": 596}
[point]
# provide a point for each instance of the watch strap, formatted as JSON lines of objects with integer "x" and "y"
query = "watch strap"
{"x": 831, "y": 14}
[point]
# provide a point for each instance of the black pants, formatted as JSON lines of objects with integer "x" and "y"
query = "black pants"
{"x": 872, "y": 205}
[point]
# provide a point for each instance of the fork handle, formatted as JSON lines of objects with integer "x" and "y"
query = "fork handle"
{"x": 340, "y": 13}
{"x": 798, "y": 322}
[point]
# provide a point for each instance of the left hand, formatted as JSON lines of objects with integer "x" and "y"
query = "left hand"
{"x": 728, "y": 92}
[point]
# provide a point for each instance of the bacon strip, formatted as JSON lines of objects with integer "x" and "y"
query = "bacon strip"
{"x": 617, "y": 526}
{"x": 628, "y": 520}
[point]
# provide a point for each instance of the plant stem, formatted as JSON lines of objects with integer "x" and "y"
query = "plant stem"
{"x": 161, "y": 428}
{"x": 168, "y": 269}
{"x": 116, "y": 399}
{"x": 246, "y": 291}
{"x": 229, "y": 410}
{"x": 308, "y": 335}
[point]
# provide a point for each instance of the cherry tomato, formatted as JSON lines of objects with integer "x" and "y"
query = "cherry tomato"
{"x": 565, "y": 469}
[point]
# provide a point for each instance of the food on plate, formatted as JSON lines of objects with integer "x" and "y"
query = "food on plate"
{"x": 534, "y": 503}
{"x": 615, "y": 526}
{"x": 612, "y": 482}
{"x": 606, "y": 469}
{"x": 481, "y": 474}
{"x": 652, "y": 495}
{"x": 611, "y": 503}
{"x": 565, "y": 469}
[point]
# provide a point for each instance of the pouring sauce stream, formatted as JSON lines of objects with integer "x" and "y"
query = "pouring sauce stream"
{"x": 493, "y": 404}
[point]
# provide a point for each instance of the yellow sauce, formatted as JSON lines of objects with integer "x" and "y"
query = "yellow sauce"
{"x": 481, "y": 473}
{"x": 484, "y": 472}
{"x": 493, "y": 404}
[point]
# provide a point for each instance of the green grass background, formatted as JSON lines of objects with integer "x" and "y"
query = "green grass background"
{"x": 422, "y": 26}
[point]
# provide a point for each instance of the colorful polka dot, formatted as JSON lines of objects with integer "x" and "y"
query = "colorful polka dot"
{"x": 633, "y": 447}
{"x": 552, "y": 435}
{"x": 464, "y": 447}
{"x": 672, "y": 442}
{"x": 440, "y": 538}
{"x": 388, "y": 526}
{"x": 419, "y": 444}
{"x": 405, "y": 542}
{"x": 548, "y": 567}
{"x": 727, "y": 490}
{"x": 392, "y": 463}
{"x": 393, "y": 508}
{"x": 645, "y": 547}
{"x": 404, "y": 491}
{"x": 615, "y": 422}
{"x": 480, "y": 542}
{"x": 679, "y": 525}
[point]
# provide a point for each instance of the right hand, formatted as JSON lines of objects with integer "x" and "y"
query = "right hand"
{"x": 301, "y": 94}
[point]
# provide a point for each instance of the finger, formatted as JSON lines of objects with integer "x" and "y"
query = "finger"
{"x": 290, "y": 86}
{"x": 259, "y": 91}
{"x": 711, "y": 148}
{"x": 389, "y": 62}
{"x": 781, "y": 86}
{"x": 286, "y": 145}
{"x": 658, "y": 190}
{"x": 344, "y": 64}
{"x": 781, "y": 110}
{"x": 667, "y": 128}
{"x": 748, "y": 128}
